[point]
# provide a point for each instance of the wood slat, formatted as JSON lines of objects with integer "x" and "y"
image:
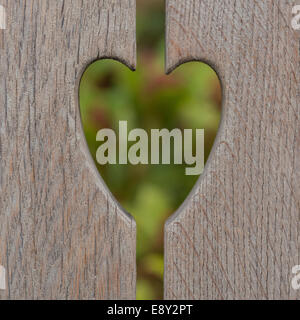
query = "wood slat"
{"x": 62, "y": 236}
{"x": 237, "y": 236}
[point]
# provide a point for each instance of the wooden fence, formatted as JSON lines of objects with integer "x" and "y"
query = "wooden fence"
{"x": 62, "y": 236}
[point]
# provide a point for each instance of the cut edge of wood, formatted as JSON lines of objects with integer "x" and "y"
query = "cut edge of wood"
{"x": 99, "y": 181}
{"x": 169, "y": 69}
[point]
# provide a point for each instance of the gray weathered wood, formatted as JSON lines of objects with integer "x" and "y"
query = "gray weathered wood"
{"x": 62, "y": 236}
{"x": 237, "y": 236}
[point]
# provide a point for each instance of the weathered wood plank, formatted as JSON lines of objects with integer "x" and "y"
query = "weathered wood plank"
{"x": 237, "y": 236}
{"x": 62, "y": 235}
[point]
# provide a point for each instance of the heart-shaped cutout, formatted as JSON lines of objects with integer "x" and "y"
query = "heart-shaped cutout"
{"x": 113, "y": 97}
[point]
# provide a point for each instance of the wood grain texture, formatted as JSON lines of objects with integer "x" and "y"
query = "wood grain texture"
{"x": 62, "y": 236}
{"x": 237, "y": 236}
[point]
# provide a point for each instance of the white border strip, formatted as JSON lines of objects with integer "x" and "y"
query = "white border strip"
{"x": 2, "y": 278}
{"x": 2, "y": 18}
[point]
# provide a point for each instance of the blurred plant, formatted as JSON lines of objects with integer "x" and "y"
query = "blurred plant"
{"x": 146, "y": 98}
